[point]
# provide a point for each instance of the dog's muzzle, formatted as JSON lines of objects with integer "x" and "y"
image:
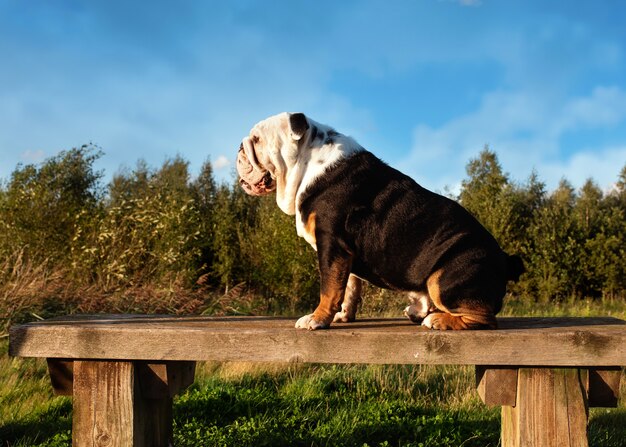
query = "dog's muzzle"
{"x": 256, "y": 182}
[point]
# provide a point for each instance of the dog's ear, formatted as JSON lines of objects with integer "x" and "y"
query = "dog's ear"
{"x": 298, "y": 124}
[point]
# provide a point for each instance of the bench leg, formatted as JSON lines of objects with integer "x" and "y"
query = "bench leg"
{"x": 126, "y": 403}
{"x": 551, "y": 409}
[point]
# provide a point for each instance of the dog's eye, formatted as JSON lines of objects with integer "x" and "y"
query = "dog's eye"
{"x": 255, "y": 139}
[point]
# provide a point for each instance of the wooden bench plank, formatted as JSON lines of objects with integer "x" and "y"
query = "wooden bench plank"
{"x": 123, "y": 370}
{"x": 519, "y": 341}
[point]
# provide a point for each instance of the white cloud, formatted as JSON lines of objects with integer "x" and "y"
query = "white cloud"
{"x": 526, "y": 130}
{"x": 605, "y": 107}
{"x": 603, "y": 165}
{"x": 221, "y": 162}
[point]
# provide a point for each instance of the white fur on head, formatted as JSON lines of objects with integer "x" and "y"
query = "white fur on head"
{"x": 283, "y": 145}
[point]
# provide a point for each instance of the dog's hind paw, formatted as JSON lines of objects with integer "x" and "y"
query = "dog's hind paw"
{"x": 444, "y": 321}
{"x": 343, "y": 317}
{"x": 419, "y": 308}
{"x": 308, "y": 322}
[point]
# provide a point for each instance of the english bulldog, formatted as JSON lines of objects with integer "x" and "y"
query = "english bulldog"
{"x": 368, "y": 221}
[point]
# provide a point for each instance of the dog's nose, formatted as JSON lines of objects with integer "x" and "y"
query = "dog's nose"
{"x": 241, "y": 147}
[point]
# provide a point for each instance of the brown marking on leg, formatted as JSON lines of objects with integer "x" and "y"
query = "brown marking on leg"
{"x": 434, "y": 290}
{"x": 469, "y": 316}
{"x": 334, "y": 279}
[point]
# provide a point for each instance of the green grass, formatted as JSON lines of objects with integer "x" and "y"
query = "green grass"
{"x": 335, "y": 406}
{"x": 242, "y": 404}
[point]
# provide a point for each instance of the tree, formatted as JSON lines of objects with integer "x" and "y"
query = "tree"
{"x": 148, "y": 231}
{"x": 204, "y": 191}
{"x": 233, "y": 217}
{"x": 490, "y": 197}
{"x": 606, "y": 243}
{"x": 554, "y": 261}
{"x": 280, "y": 265}
{"x": 485, "y": 182}
{"x": 44, "y": 206}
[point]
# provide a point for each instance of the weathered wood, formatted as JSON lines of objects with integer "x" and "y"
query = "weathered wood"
{"x": 603, "y": 386}
{"x": 103, "y": 404}
{"x": 126, "y": 403}
{"x": 61, "y": 375}
{"x": 551, "y": 409}
{"x": 126, "y": 400}
{"x": 167, "y": 379}
{"x": 519, "y": 341}
{"x": 496, "y": 386}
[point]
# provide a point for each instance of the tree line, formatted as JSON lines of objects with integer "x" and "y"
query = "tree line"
{"x": 161, "y": 226}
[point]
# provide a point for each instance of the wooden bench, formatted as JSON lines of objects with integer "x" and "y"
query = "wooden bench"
{"x": 123, "y": 370}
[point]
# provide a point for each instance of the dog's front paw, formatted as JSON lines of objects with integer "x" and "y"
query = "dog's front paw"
{"x": 308, "y": 322}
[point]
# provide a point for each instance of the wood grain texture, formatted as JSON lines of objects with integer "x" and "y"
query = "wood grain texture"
{"x": 164, "y": 380}
{"x": 551, "y": 410}
{"x": 518, "y": 342}
{"x": 115, "y": 404}
{"x": 103, "y": 404}
{"x": 496, "y": 386}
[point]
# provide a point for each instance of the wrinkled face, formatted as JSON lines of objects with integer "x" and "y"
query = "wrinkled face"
{"x": 254, "y": 177}
{"x": 267, "y": 154}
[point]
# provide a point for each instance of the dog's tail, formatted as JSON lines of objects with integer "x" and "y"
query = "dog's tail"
{"x": 514, "y": 267}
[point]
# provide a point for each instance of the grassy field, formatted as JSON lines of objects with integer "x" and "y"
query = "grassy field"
{"x": 240, "y": 404}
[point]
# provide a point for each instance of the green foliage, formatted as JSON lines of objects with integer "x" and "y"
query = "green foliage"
{"x": 41, "y": 207}
{"x": 162, "y": 228}
{"x": 234, "y": 213}
{"x": 282, "y": 266}
{"x": 333, "y": 406}
{"x": 147, "y": 231}
{"x": 573, "y": 243}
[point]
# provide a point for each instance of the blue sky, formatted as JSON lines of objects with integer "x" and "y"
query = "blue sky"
{"x": 424, "y": 84}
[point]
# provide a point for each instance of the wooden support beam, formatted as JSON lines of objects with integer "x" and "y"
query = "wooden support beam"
{"x": 603, "y": 386}
{"x": 551, "y": 409}
{"x": 103, "y": 404}
{"x": 164, "y": 379}
{"x": 61, "y": 375}
{"x": 119, "y": 403}
{"x": 496, "y": 385}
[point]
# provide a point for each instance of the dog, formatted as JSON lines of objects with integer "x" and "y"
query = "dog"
{"x": 368, "y": 221}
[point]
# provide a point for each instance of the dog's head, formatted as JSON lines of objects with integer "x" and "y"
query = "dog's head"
{"x": 268, "y": 157}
